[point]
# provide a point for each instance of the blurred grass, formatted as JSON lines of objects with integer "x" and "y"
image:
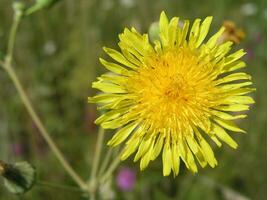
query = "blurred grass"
{"x": 56, "y": 57}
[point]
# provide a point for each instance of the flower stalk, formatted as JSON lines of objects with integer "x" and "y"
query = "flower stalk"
{"x": 7, "y": 65}
{"x": 111, "y": 169}
{"x": 93, "y": 180}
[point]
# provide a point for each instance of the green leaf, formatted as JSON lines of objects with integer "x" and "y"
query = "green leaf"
{"x": 2, "y": 55}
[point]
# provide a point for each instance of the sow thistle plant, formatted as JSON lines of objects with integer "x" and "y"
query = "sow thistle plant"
{"x": 167, "y": 96}
{"x": 171, "y": 96}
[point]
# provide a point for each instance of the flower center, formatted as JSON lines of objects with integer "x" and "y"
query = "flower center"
{"x": 171, "y": 88}
{"x": 177, "y": 89}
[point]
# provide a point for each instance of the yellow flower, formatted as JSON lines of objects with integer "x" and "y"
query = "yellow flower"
{"x": 171, "y": 96}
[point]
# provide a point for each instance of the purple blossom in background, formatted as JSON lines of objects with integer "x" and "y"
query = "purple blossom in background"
{"x": 17, "y": 149}
{"x": 250, "y": 53}
{"x": 126, "y": 179}
{"x": 257, "y": 37}
{"x": 255, "y": 41}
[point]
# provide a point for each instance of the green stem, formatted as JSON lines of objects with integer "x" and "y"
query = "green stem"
{"x": 111, "y": 169}
{"x": 59, "y": 186}
{"x": 105, "y": 162}
{"x": 99, "y": 143}
{"x": 93, "y": 179}
{"x": 9, "y": 69}
{"x": 12, "y": 37}
{"x": 41, "y": 127}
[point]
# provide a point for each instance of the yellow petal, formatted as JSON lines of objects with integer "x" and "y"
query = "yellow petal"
{"x": 172, "y": 31}
{"x": 234, "y": 86}
{"x": 157, "y": 148}
{"x": 226, "y": 116}
{"x": 184, "y": 32}
{"x": 117, "y": 122}
{"x": 146, "y": 158}
{"x": 194, "y": 34}
{"x": 136, "y": 41}
{"x": 124, "y": 46}
{"x": 116, "y": 104}
{"x": 143, "y": 148}
{"x": 223, "y": 49}
{"x": 130, "y": 148}
{"x": 192, "y": 144}
{"x": 239, "y": 100}
{"x": 200, "y": 158}
{"x": 233, "y": 66}
{"x": 163, "y": 28}
{"x": 233, "y": 77}
{"x": 108, "y": 87}
{"x": 234, "y": 56}
{"x": 132, "y": 58}
{"x": 112, "y": 78}
{"x": 105, "y": 98}
{"x": 228, "y": 125}
{"x": 114, "y": 67}
{"x": 208, "y": 153}
{"x": 182, "y": 152}
{"x": 241, "y": 91}
{"x": 157, "y": 47}
{"x": 119, "y": 57}
{"x": 190, "y": 160}
{"x": 110, "y": 115}
{"x": 175, "y": 159}
{"x": 122, "y": 134}
{"x": 233, "y": 107}
{"x": 204, "y": 29}
{"x": 187, "y": 156}
{"x": 214, "y": 39}
{"x": 221, "y": 133}
{"x": 215, "y": 140}
{"x": 167, "y": 160}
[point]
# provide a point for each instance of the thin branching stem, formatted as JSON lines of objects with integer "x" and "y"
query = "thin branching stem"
{"x": 97, "y": 155}
{"x": 12, "y": 37}
{"x": 60, "y": 186}
{"x": 105, "y": 162}
{"x": 113, "y": 166}
{"x": 26, "y": 101}
{"x": 42, "y": 128}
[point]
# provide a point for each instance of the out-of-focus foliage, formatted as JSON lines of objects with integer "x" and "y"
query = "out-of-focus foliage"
{"x": 56, "y": 56}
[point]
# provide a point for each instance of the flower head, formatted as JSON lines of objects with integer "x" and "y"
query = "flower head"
{"x": 171, "y": 96}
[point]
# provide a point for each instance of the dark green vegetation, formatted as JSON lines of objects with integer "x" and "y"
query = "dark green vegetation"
{"x": 56, "y": 57}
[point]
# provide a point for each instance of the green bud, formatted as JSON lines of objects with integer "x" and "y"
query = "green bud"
{"x": 18, "y": 177}
{"x": 18, "y": 7}
{"x": 154, "y": 31}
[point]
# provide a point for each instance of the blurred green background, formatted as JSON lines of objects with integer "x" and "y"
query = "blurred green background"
{"x": 56, "y": 57}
